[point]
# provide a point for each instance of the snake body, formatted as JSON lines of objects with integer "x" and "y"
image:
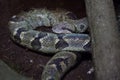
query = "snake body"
{"x": 65, "y": 39}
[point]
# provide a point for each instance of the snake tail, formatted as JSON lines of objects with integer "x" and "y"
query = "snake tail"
{"x": 58, "y": 65}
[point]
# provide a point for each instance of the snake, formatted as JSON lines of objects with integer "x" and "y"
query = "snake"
{"x": 65, "y": 40}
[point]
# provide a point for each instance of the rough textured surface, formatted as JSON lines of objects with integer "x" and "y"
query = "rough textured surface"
{"x": 6, "y": 73}
{"x": 30, "y": 63}
{"x": 105, "y": 39}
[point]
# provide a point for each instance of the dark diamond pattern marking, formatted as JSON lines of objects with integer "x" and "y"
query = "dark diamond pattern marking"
{"x": 17, "y": 35}
{"x": 36, "y": 44}
{"x": 61, "y": 44}
{"x": 58, "y": 61}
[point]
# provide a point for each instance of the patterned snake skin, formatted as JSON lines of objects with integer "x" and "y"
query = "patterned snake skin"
{"x": 64, "y": 41}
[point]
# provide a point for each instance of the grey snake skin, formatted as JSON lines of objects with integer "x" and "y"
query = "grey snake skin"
{"x": 66, "y": 39}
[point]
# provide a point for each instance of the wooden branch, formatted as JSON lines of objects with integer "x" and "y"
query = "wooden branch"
{"x": 105, "y": 39}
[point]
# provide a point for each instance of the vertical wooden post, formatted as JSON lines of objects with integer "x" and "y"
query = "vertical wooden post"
{"x": 105, "y": 39}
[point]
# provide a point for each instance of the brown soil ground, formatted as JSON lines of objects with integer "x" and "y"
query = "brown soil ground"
{"x": 30, "y": 63}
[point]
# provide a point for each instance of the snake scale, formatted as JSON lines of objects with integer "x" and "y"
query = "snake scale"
{"x": 65, "y": 40}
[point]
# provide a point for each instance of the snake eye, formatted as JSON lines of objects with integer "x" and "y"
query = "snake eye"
{"x": 82, "y": 26}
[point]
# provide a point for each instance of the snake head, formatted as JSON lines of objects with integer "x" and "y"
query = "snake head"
{"x": 71, "y": 26}
{"x": 63, "y": 27}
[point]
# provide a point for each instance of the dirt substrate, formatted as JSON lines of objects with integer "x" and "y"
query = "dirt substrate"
{"x": 30, "y": 63}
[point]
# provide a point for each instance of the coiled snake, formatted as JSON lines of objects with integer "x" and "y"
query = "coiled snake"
{"x": 64, "y": 41}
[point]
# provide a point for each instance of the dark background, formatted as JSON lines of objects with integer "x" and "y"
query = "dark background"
{"x": 30, "y": 63}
